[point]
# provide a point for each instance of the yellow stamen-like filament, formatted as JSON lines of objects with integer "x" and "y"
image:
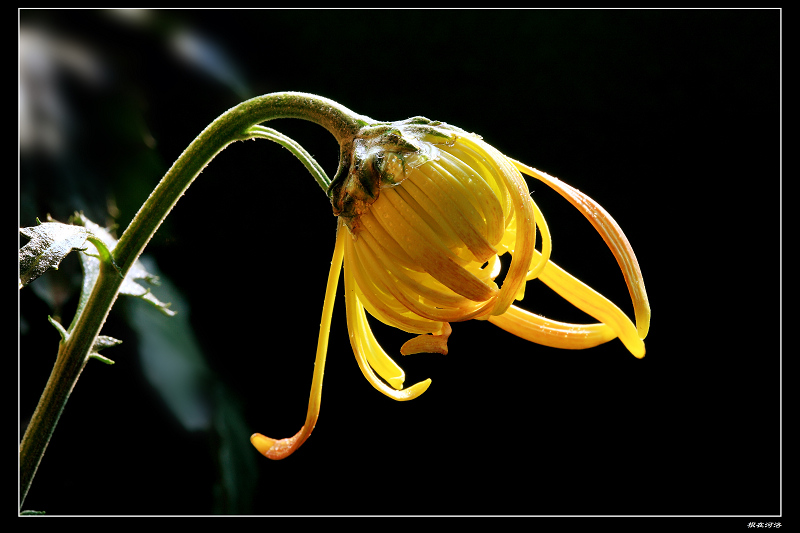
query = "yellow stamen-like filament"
{"x": 282, "y": 448}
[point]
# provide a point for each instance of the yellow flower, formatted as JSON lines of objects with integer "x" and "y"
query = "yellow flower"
{"x": 425, "y": 210}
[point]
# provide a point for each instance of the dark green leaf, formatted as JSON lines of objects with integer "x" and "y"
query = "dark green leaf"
{"x": 49, "y": 243}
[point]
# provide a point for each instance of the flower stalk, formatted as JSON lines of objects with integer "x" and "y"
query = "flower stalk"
{"x": 238, "y": 123}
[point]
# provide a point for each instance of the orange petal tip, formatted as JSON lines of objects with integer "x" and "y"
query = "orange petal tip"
{"x": 262, "y": 444}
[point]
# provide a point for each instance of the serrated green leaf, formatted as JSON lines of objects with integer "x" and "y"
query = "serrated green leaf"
{"x": 91, "y": 268}
{"x": 49, "y": 243}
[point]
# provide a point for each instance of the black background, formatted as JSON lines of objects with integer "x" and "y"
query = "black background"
{"x": 670, "y": 119}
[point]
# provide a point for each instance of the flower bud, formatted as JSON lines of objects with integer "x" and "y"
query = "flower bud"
{"x": 425, "y": 211}
{"x": 429, "y": 208}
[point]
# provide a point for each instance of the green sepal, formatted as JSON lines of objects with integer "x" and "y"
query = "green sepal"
{"x": 381, "y": 156}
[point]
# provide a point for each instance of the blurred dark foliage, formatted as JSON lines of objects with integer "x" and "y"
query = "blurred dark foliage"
{"x": 668, "y": 118}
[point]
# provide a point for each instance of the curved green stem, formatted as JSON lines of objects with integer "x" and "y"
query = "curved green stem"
{"x": 73, "y": 352}
{"x": 238, "y": 123}
{"x": 229, "y": 127}
{"x": 290, "y": 144}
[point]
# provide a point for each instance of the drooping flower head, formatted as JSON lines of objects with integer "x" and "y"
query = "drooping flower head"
{"x": 425, "y": 211}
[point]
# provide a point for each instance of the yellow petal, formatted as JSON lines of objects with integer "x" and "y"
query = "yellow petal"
{"x": 433, "y": 290}
{"x": 525, "y": 219}
{"x": 409, "y": 298}
{"x": 594, "y": 304}
{"x": 376, "y": 298}
{"x": 444, "y": 210}
{"x": 363, "y": 342}
{"x": 613, "y": 236}
{"x": 552, "y": 333}
{"x": 427, "y": 249}
{"x": 540, "y": 261}
{"x": 484, "y": 189}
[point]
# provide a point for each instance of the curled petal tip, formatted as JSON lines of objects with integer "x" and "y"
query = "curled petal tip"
{"x": 643, "y": 321}
{"x": 278, "y": 449}
{"x": 428, "y": 343}
{"x": 632, "y": 342}
{"x": 415, "y": 390}
{"x": 262, "y": 444}
{"x": 639, "y": 353}
{"x": 634, "y": 345}
{"x": 424, "y": 344}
